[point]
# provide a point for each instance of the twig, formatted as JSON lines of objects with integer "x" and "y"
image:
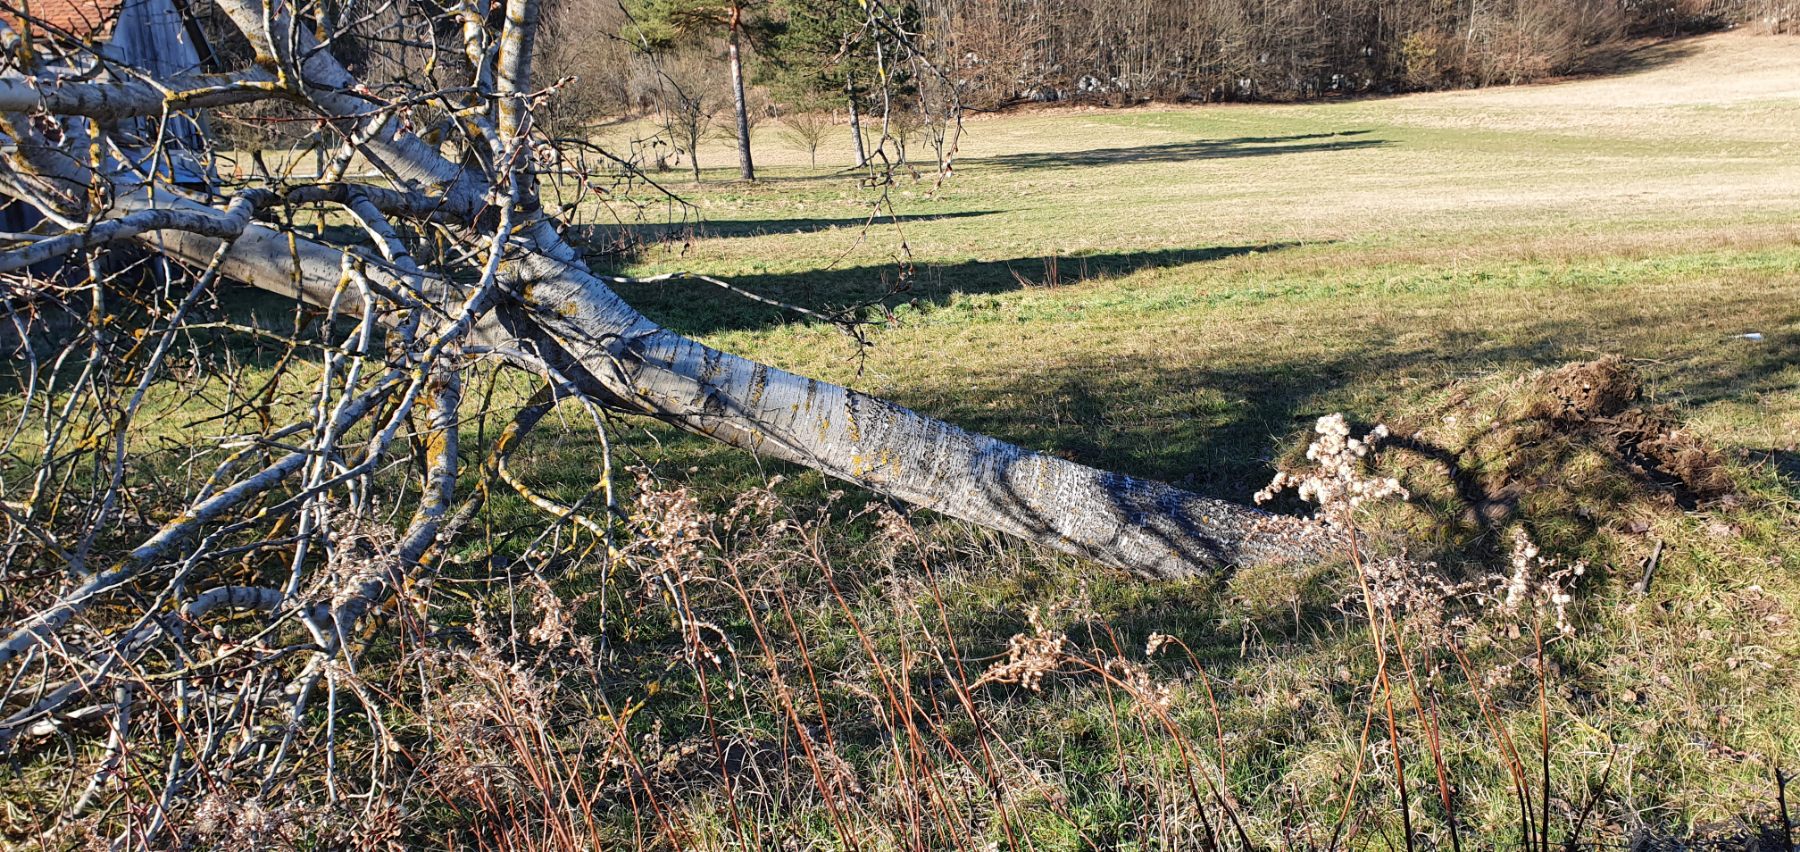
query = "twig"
{"x": 1787, "y": 823}
{"x": 1643, "y": 583}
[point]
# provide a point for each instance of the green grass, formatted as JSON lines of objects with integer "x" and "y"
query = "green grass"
{"x": 1223, "y": 276}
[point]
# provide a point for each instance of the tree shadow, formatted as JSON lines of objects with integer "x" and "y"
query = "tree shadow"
{"x": 1214, "y": 428}
{"x": 696, "y": 308}
{"x": 635, "y": 234}
{"x": 1616, "y": 58}
{"x": 1785, "y": 463}
{"x": 50, "y": 326}
{"x": 1196, "y": 149}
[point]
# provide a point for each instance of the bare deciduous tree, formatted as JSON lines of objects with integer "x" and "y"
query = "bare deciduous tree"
{"x": 806, "y": 131}
{"x": 432, "y": 244}
{"x": 580, "y": 42}
{"x": 685, "y": 106}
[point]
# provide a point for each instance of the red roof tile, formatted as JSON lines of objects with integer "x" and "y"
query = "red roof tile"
{"x": 81, "y": 18}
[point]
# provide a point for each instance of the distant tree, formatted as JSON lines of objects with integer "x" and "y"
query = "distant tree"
{"x": 664, "y": 25}
{"x": 806, "y": 130}
{"x": 903, "y": 126}
{"x": 823, "y": 54}
{"x": 686, "y": 102}
{"x": 579, "y": 40}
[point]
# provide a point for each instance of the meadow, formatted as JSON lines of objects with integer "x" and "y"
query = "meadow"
{"x": 773, "y": 660}
{"x": 1180, "y": 293}
{"x": 1161, "y": 290}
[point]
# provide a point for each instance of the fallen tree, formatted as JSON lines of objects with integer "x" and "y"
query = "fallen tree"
{"x": 446, "y": 255}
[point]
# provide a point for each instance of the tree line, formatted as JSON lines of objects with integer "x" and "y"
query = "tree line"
{"x": 704, "y": 67}
{"x": 1221, "y": 50}
{"x": 883, "y": 78}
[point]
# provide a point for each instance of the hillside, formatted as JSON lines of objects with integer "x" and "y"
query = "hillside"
{"x": 1566, "y": 316}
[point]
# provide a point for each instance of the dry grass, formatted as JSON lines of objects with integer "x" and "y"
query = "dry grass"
{"x": 775, "y": 664}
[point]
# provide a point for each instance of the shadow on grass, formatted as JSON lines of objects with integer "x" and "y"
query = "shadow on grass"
{"x": 1215, "y": 426}
{"x": 1634, "y": 57}
{"x": 1176, "y": 152}
{"x": 697, "y": 308}
{"x": 635, "y": 234}
{"x": 52, "y": 327}
{"x": 1785, "y": 463}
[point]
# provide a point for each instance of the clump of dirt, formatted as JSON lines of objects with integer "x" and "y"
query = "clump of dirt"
{"x": 1667, "y": 450}
{"x": 1601, "y": 401}
{"x": 1575, "y": 448}
{"x": 1586, "y": 390}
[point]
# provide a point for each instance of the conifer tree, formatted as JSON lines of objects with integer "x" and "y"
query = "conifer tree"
{"x": 824, "y": 53}
{"x": 663, "y": 25}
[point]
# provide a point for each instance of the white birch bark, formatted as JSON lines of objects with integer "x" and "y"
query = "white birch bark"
{"x": 573, "y": 320}
{"x": 1142, "y": 526}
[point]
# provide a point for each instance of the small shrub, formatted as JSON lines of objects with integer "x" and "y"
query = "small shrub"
{"x": 806, "y": 131}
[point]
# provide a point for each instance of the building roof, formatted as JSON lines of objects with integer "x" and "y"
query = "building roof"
{"x": 81, "y": 18}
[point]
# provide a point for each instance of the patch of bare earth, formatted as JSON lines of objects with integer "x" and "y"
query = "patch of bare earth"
{"x": 1600, "y": 402}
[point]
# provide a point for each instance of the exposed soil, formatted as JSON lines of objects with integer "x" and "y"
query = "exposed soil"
{"x": 1578, "y": 442}
{"x": 1599, "y": 401}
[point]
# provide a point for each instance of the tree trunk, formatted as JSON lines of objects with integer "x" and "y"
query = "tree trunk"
{"x": 1147, "y": 527}
{"x": 855, "y": 120}
{"x": 694, "y": 155}
{"x": 746, "y": 168}
{"x": 622, "y": 359}
{"x": 549, "y": 305}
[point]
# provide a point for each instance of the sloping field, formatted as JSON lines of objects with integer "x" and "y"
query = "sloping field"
{"x": 767, "y": 662}
{"x": 1180, "y": 292}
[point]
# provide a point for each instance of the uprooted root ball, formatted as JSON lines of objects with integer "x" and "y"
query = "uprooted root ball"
{"x": 1574, "y": 445}
{"x": 1600, "y": 400}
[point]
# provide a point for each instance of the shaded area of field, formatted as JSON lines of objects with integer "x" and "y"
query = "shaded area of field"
{"x": 698, "y": 308}
{"x": 729, "y": 228}
{"x": 1443, "y": 247}
{"x": 1180, "y": 152}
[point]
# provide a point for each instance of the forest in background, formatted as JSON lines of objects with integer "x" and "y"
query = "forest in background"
{"x": 901, "y": 73}
{"x": 1001, "y": 52}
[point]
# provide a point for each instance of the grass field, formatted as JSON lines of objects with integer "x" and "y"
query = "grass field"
{"x": 1171, "y": 291}
{"x": 1223, "y": 273}
{"x": 1180, "y": 292}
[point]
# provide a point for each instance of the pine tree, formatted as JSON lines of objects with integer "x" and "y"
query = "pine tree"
{"x": 664, "y": 25}
{"x": 824, "y": 53}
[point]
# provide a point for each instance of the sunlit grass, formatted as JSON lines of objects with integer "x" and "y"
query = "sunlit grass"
{"x": 1179, "y": 293}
